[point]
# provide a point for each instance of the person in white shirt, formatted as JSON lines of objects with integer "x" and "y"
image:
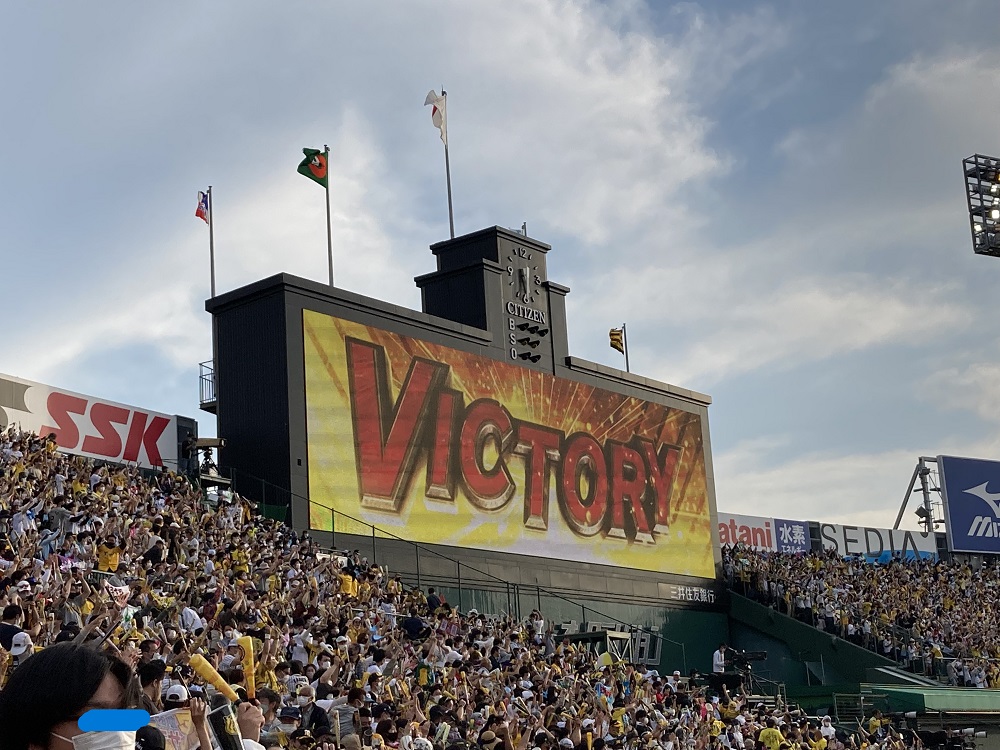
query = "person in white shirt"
{"x": 60, "y": 482}
{"x": 827, "y": 729}
{"x": 719, "y": 659}
{"x": 191, "y": 620}
{"x": 301, "y": 642}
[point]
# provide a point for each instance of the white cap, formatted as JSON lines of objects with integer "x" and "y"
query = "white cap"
{"x": 565, "y": 742}
{"x": 20, "y": 643}
{"x": 177, "y": 693}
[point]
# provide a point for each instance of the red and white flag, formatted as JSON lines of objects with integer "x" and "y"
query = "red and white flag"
{"x": 203, "y": 211}
{"x": 439, "y": 112}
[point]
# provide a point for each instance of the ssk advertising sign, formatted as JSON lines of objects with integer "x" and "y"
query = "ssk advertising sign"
{"x": 970, "y": 490}
{"x": 447, "y": 447}
{"x": 90, "y": 426}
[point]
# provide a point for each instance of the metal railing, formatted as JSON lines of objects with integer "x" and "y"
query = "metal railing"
{"x": 900, "y": 637}
{"x": 206, "y": 382}
{"x": 272, "y": 497}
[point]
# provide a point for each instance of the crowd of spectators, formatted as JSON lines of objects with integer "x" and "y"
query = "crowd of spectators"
{"x": 114, "y": 582}
{"x": 935, "y": 617}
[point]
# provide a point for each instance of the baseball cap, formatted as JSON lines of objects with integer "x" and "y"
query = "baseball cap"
{"x": 20, "y": 643}
{"x": 177, "y": 693}
{"x": 290, "y": 712}
{"x": 566, "y": 742}
{"x": 150, "y": 738}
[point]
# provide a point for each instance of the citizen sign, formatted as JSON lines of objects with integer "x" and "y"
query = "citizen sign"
{"x": 89, "y": 426}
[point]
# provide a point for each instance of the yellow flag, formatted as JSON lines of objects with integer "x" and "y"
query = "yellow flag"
{"x": 616, "y": 339}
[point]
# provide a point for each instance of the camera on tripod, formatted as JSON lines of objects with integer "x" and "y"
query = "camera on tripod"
{"x": 742, "y": 661}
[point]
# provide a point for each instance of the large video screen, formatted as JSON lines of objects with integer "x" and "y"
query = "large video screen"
{"x": 445, "y": 447}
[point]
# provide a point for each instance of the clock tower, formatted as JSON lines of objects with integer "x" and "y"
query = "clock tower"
{"x": 496, "y": 280}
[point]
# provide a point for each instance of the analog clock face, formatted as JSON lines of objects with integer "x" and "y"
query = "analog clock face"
{"x": 523, "y": 278}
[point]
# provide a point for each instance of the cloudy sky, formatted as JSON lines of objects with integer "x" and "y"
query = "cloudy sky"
{"x": 769, "y": 194}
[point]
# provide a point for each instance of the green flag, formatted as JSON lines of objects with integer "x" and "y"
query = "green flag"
{"x": 314, "y": 166}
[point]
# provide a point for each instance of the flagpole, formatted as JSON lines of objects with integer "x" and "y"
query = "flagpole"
{"x": 211, "y": 236}
{"x": 329, "y": 234}
{"x": 625, "y": 346}
{"x": 447, "y": 171}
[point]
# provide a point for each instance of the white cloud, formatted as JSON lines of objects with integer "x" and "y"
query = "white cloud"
{"x": 698, "y": 324}
{"x": 974, "y": 387}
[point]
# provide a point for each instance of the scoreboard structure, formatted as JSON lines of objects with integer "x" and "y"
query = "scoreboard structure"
{"x": 467, "y": 426}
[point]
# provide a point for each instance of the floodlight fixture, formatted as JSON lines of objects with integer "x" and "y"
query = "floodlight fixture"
{"x": 982, "y": 191}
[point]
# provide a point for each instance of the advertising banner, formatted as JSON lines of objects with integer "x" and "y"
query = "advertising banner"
{"x": 791, "y": 536}
{"x": 971, "y": 511}
{"x": 764, "y": 534}
{"x": 90, "y": 426}
{"x": 755, "y": 532}
{"x": 446, "y": 447}
{"x": 877, "y": 545}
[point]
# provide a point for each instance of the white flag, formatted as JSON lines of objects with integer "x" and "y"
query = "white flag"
{"x": 439, "y": 113}
{"x": 119, "y": 595}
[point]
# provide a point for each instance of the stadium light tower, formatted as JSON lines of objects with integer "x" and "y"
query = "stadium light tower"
{"x": 982, "y": 189}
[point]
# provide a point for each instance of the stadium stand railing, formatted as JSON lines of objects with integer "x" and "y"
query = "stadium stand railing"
{"x": 898, "y": 635}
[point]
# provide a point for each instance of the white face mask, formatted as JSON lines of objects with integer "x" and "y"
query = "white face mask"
{"x": 302, "y": 700}
{"x": 101, "y": 740}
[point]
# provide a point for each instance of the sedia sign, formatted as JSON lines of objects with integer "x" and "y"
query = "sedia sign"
{"x": 441, "y": 446}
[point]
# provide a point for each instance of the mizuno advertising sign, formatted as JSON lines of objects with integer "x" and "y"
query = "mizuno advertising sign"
{"x": 970, "y": 489}
{"x": 446, "y": 447}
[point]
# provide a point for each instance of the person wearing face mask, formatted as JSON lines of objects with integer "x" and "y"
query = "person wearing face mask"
{"x": 269, "y": 703}
{"x": 45, "y": 697}
{"x": 313, "y": 717}
{"x": 324, "y": 663}
{"x": 288, "y": 721}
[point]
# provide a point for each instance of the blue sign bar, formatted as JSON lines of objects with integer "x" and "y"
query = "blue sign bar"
{"x": 113, "y": 720}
